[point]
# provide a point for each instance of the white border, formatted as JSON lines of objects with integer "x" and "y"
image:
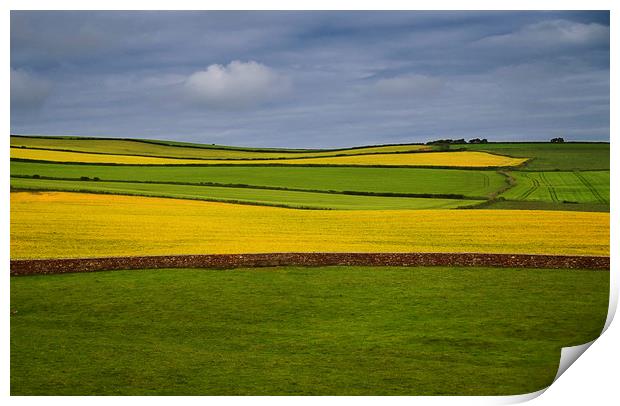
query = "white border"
{"x": 592, "y": 379}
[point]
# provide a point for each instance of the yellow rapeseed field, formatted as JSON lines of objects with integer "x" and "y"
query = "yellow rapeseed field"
{"x": 55, "y": 225}
{"x": 63, "y": 156}
{"x": 457, "y": 158}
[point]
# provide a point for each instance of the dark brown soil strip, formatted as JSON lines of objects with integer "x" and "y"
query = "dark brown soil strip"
{"x": 224, "y": 261}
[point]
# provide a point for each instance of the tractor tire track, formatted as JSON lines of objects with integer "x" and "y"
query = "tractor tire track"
{"x": 535, "y": 184}
{"x": 550, "y": 188}
{"x": 590, "y": 187}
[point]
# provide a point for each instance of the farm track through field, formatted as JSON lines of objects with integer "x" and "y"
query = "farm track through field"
{"x": 550, "y": 188}
{"x": 224, "y": 261}
{"x": 535, "y": 185}
{"x": 591, "y": 188}
{"x": 485, "y": 180}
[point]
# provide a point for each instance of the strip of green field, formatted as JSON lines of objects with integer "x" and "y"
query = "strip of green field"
{"x": 344, "y": 331}
{"x": 285, "y": 198}
{"x": 533, "y": 205}
{"x": 548, "y": 156}
{"x": 194, "y": 151}
{"x": 470, "y": 183}
{"x": 576, "y": 187}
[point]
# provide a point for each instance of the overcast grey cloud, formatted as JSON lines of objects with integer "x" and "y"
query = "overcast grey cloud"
{"x": 311, "y": 79}
{"x": 28, "y": 91}
{"x": 408, "y": 86}
{"x": 236, "y": 85}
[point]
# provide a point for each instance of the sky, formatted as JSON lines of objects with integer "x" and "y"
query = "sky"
{"x": 311, "y": 79}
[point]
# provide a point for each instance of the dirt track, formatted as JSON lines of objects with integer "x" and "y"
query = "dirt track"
{"x": 56, "y": 266}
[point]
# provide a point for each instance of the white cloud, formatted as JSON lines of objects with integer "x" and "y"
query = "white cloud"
{"x": 409, "y": 86}
{"x": 27, "y": 90}
{"x": 236, "y": 85}
{"x": 550, "y": 33}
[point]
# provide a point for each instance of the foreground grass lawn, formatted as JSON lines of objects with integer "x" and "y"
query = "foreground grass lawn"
{"x": 333, "y": 330}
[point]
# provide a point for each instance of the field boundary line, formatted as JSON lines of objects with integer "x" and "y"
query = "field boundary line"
{"x": 22, "y": 267}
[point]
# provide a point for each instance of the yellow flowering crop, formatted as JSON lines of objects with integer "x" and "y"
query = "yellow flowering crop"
{"x": 63, "y": 156}
{"x": 457, "y": 158}
{"x": 55, "y": 225}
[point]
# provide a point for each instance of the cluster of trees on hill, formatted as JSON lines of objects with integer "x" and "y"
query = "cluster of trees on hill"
{"x": 478, "y": 141}
{"x": 459, "y": 141}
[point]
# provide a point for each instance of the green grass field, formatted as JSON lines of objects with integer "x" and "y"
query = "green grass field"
{"x": 548, "y": 157}
{"x": 471, "y": 183}
{"x": 577, "y": 187}
{"x": 286, "y": 198}
{"x": 197, "y": 151}
{"x": 293, "y": 331}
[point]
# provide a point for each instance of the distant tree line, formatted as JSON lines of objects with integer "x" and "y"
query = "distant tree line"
{"x": 459, "y": 141}
{"x": 449, "y": 141}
